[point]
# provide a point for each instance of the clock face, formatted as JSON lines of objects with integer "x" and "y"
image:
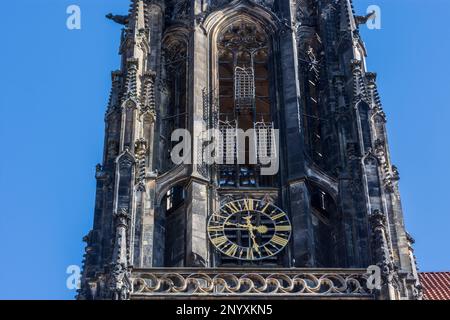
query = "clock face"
{"x": 249, "y": 229}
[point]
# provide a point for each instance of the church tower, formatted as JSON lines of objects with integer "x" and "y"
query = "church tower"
{"x": 278, "y": 80}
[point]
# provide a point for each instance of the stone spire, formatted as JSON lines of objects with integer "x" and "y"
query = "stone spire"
{"x": 137, "y": 15}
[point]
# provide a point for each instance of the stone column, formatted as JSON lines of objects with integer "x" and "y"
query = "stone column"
{"x": 148, "y": 224}
{"x": 196, "y": 235}
{"x": 382, "y": 256}
{"x": 197, "y": 188}
{"x": 119, "y": 285}
{"x": 303, "y": 235}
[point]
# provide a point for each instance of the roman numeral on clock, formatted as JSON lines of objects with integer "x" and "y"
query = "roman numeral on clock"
{"x": 283, "y": 228}
{"x": 265, "y": 208}
{"x": 219, "y": 241}
{"x": 278, "y": 216}
{"x": 267, "y": 250}
{"x": 250, "y": 255}
{"x": 232, "y": 250}
{"x": 232, "y": 207}
{"x": 222, "y": 217}
{"x": 279, "y": 240}
{"x": 215, "y": 228}
{"x": 248, "y": 204}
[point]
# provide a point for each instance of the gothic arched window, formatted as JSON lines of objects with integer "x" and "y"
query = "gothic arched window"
{"x": 244, "y": 97}
{"x": 174, "y": 114}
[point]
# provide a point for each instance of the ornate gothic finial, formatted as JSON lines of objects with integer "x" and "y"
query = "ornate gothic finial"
{"x": 371, "y": 77}
{"x": 141, "y": 148}
{"x": 395, "y": 173}
{"x": 114, "y": 97}
{"x": 148, "y": 96}
{"x": 131, "y": 79}
{"x": 119, "y": 284}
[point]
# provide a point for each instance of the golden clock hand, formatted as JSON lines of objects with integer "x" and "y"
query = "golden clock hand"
{"x": 255, "y": 245}
{"x": 251, "y": 227}
{"x": 249, "y": 222}
{"x": 236, "y": 225}
{"x": 261, "y": 228}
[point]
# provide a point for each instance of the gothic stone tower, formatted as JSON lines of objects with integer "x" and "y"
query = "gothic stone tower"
{"x": 167, "y": 229}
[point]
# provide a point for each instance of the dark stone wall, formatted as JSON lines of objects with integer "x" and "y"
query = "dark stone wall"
{"x": 332, "y": 142}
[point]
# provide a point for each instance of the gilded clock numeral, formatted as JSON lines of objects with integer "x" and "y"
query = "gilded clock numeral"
{"x": 279, "y": 240}
{"x": 219, "y": 241}
{"x": 278, "y": 216}
{"x": 220, "y": 216}
{"x": 265, "y": 208}
{"x": 215, "y": 228}
{"x": 250, "y": 255}
{"x": 248, "y": 204}
{"x": 283, "y": 228}
{"x": 234, "y": 209}
{"x": 232, "y": 250}
{"x": 269, "y": 253}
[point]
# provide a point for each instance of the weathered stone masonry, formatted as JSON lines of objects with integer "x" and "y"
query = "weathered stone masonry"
{"x": 336, "y": 180}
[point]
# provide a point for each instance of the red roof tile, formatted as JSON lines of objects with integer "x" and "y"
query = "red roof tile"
{"x": 436, "y": 285}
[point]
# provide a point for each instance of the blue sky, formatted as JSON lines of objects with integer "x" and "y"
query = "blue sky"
{"x": 54, "y": 89}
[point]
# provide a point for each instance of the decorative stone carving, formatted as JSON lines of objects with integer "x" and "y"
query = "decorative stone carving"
{"x": 381, "y": 251}
{"x": 175, "y": 52}
{"x": 119, "y": 284}
{"x": 265, "y": 3}
{"x": 395, "y": 174}
{"x": 131, "y": 80}
{"x": 179, "y": 9}
{"x": 242, "y": 36}
{"x": 123, "y": 20}
{"x": 100, "y": 174}
{"x": 363, "y": 19}
{"x": 141, "y": 148}
{"x": 268, "y": 4}
{"x": 114, "y": 97}
{"x": 197, "y": 261}
{"x": 306, "y": 12}
{"x": 125, "y": 163}
{"x": 274, "y": 282}
{"x": 148, "y": 96}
